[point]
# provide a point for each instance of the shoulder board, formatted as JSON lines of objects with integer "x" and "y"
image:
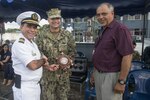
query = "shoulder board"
{"x": 21, "y": 40}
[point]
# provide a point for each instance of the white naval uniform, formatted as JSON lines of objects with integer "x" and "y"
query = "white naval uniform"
{"x": 23, "y": 54}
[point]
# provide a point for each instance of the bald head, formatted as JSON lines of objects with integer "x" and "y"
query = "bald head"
{"x": 110, "y": 6}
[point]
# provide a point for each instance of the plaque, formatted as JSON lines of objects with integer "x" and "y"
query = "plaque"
{"x": 64, "y": 61}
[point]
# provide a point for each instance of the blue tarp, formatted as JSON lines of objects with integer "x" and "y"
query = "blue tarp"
{"x": 9, "y": 9}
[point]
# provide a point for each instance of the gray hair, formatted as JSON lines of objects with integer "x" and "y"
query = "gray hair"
{"x": 110, "y": 6}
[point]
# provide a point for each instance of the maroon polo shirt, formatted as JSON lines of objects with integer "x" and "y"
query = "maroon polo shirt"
{"x": 114, "y": 43}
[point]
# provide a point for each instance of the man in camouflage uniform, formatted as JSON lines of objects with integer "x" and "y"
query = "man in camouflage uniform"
{"x": 52, "y": 41}
{"x": 136, "y": 55}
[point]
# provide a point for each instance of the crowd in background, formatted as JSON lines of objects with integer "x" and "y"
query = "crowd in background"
{"x": 6, "y": 63}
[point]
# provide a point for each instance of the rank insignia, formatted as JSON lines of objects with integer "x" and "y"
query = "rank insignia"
{"x": 21, "y": 40}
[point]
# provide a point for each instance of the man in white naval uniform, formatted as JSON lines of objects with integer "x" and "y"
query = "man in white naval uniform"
{"x": 27, "y": 59}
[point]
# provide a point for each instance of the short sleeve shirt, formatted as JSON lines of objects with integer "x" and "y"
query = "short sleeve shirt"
{"x": 114, "y": 43}
{"x": 23, "y": 52}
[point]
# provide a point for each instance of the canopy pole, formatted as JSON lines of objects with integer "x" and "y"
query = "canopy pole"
{"x": 2, "y": 29}
{"x": 145, "y": 18}
{"x": 143, "y": 33}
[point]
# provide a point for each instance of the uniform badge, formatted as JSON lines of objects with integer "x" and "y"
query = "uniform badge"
{"x": 34, "y": 16}
{"x": 21, "y": 40}
{"x": 33, "y": 53}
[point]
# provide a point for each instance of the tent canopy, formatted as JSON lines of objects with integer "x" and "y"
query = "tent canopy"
{"x": 9, "y": 9}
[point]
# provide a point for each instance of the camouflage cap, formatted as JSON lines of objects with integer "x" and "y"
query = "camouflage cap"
{"x": 54, "y": 13}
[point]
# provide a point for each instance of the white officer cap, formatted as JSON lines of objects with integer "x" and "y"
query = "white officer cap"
{"x": 29, "y": 17}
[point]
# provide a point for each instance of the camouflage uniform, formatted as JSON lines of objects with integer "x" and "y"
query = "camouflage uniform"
{"x": 57, "y": 82}
{"x": 136, "y": 56}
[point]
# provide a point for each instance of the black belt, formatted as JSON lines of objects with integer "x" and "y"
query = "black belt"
{"x": 101, "y": 71}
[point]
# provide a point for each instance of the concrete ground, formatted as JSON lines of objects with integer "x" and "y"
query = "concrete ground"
{"x": 5, "y": 91}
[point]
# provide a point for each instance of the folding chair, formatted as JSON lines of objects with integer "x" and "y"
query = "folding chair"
{"x": 138, "y": 85}
{"x": 90, "y": 92}
{"x": 136, "y": 65}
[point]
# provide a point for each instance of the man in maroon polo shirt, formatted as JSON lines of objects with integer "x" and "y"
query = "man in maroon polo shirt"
{"x": 112, "y": 55}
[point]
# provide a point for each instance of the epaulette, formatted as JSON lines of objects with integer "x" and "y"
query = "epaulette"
{"x": 21, "y": 40}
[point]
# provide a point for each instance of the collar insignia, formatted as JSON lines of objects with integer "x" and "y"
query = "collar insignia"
{"x": 33, "y": 54}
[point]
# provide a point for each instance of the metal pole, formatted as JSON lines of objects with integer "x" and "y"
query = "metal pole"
{"x": 143, "y": 33}
{"x": 2, "y": 29}
{"x": 145, "y": 18}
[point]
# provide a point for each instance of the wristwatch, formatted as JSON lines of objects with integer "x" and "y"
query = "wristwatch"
{"x": 122, "y": 82}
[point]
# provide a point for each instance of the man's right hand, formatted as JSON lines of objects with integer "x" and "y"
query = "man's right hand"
{"x": 92, "y": 79}
{"x": 53, "y": 67}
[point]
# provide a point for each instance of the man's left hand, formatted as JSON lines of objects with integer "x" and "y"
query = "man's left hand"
{"x": 119, "y": 88}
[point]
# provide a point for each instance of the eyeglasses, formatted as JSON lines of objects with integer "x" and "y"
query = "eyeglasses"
{"x": 56, "y": 18}
{"x": 101, "y": 14}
